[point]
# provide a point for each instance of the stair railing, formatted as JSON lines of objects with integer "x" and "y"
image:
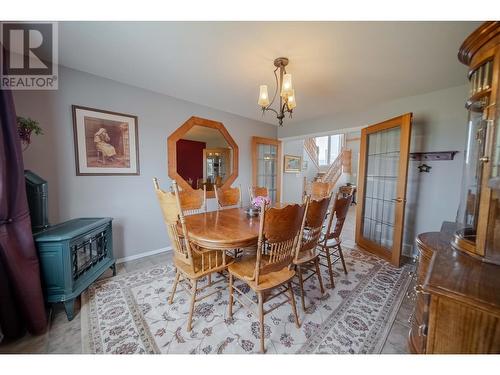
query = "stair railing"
{"x": 339, "y": 165}
{"x": 312, "y": 150}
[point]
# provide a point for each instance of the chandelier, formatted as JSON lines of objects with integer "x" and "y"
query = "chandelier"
{"x": 284, "y": 86}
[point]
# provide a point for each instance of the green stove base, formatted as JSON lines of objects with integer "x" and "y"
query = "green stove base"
{"x": 72, "y": 256}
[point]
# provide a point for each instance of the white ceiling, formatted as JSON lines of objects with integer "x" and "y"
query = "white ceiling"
{"x": 336, "y": 66}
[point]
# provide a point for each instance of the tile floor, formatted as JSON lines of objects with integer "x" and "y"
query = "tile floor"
{"x": 64, "y": 337}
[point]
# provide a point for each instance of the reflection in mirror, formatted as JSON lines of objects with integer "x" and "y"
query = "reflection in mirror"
{"x": 204, "y": 157}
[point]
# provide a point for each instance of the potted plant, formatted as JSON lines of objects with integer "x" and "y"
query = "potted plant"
{"x": 26, "y": 127}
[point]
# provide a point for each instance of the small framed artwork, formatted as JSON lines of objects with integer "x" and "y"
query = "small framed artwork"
{"x": 106, "y": 143}
{"x": 293, "y": 164}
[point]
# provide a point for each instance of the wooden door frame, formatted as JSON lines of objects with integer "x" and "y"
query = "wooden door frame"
{"x": 404, "y": 122}
{"x": 279, "y": 161}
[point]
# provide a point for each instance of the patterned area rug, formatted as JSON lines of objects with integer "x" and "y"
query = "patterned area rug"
{"x": 130, "y": 314}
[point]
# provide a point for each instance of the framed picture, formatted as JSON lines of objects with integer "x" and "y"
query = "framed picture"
{"x": 293, "y": 164}
{"x": 106, "y": 143}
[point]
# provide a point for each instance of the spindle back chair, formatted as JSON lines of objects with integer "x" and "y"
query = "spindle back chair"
{"x": 191, "y": 262}
{"x": 330, "y": 244}
{"x": 271, "y": 268}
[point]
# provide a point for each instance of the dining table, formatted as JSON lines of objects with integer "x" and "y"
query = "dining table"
{"x": 223, "y": 229}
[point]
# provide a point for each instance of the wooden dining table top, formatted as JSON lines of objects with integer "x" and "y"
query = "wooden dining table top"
{"x": 223, "y": 229}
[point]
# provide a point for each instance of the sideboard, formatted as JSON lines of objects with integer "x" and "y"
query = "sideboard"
{"x": 458, "y": 300}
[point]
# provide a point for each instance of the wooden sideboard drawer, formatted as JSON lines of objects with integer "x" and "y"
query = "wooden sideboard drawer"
{"x": 458, "y": 328}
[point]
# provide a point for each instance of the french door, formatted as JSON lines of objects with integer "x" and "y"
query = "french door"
{"x": 383, "y": 169}
{"x": 266, "y": 166}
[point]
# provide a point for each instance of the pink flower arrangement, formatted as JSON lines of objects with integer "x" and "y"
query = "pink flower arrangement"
{"x": 257, "y": 201}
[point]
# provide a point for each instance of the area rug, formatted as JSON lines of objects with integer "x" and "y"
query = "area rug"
{"x": 129, "y": 314}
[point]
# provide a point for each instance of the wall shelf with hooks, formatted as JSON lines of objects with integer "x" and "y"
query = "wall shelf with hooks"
{"x": 433, "y": 156}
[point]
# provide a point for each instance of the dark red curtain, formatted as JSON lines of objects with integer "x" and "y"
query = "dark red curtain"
{"x": 21, "y": 298}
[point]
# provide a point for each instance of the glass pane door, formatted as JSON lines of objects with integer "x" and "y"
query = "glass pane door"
{"x": 267, "y": 168}
{"x": 383, "y": 171}
{"x": 266, "y": 163}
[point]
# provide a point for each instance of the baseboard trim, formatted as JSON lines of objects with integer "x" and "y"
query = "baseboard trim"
{"x": 146, "y": 254}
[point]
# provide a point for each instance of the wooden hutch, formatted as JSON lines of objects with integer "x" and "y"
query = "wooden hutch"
{"x": 458, "y": 276}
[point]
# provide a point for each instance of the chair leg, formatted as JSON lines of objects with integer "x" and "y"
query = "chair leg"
{"x": 193, "y": 300}
{"x": 294, "y": 306}
{"x": 230, "y": 310}
{"x": 174, "y": 287}
{"x": 210, "y": 279}
{"x": 342, "y": 259}
{"x": 302, "y": 291}
{"x": 330, "y": 269}
{"x": 318, "y": 273}
{"x": 261, "y": 322}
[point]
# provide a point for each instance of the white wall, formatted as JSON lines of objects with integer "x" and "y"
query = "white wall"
{"x": 352, "y": 143}
{"x": 293, "y": 182}
{"x": 130, "y": 200}
{"x": 439, "y": 124}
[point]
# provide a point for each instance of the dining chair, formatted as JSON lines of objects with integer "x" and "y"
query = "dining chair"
{"x": 271, "y": 266}
{"x": 192, "y": 263}
{"x": 318, "y": 189}
{"x": 228, "y": 198}
{"x": 200, "y": 183}
{"x": 348, "y": 190}
{"x": 218, "y": 181}
{"x": 330, "y": 243}
{"x": 307, "y": 256}
{"x": 257, "y": 191}
{"x": 193, "y": 201}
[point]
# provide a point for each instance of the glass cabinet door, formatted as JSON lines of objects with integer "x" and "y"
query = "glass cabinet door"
{"x": 478, "y": 214}
{"x": 468, "y": 211}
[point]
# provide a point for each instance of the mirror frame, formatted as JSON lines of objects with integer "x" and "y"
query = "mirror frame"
{"x": 180, "y": 132}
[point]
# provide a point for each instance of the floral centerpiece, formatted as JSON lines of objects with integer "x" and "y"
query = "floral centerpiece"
{"x": 256, "y": 204}
{"x": 259, "y": 200}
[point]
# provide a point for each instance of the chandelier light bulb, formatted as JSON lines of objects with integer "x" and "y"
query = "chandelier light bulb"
{"x": 286, "y": 88}
{"x": 291, "y": 101}
{"x": 263, "y": 96}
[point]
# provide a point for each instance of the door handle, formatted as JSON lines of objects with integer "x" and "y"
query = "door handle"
{"x": 399, "y": 200}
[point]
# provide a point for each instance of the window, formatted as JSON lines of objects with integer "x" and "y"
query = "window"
{"x": 329, "y": 148}
{"x": 323, "y": 154}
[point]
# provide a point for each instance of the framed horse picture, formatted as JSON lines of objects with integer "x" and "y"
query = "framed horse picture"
{"x": 106, "y": 143}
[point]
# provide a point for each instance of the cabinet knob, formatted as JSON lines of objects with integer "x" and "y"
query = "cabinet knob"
{"x": 419, "y": 289}
{"x": 422, "y": 330}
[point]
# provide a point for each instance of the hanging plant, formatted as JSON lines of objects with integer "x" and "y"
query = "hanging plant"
{"x": 25, "y": 127}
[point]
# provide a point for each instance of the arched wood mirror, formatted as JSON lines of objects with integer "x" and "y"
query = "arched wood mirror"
{"x": 201, "y": 153}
